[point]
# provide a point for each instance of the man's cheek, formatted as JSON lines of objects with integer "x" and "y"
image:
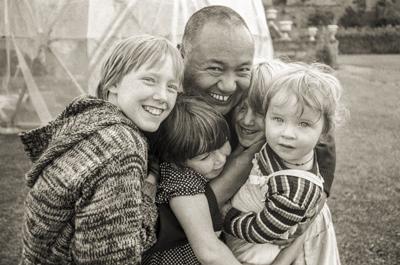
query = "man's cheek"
{"x": 205, "y": 83}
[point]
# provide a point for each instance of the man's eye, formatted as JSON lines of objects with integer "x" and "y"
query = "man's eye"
{"x": 214, "y": 69}
{"x": 244, "y": 69}
{"x": 277, "y": 119}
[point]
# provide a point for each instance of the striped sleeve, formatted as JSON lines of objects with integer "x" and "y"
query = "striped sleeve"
{"x": 282, "y": 210}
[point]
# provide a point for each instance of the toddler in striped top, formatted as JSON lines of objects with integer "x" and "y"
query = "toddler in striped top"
{"x": 297, "y": 109}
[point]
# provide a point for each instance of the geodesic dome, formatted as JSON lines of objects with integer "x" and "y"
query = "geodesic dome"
{"x": 51, "y": 51}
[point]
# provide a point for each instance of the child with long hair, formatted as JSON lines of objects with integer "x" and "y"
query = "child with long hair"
{"x": 300, "y": 106}
{"x": 86, "y": 203}
{"x": 193, "y": 145}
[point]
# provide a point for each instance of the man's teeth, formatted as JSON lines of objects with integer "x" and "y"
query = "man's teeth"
{"x": 152, "y": 110}
{"x": 219, "y": 97}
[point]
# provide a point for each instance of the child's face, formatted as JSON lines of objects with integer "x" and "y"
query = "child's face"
{"x": 249, "y": 125}
{"x": 291, "y": 136}
{"x": 147, "y": 95}
{"x": 210, "y": 164}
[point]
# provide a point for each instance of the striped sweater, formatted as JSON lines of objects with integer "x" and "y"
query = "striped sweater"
{"x": 86, "y": 204}
{"x": 289, "y": 201}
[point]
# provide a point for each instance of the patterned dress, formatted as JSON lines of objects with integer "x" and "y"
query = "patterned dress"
{"x": 172, "y": 246}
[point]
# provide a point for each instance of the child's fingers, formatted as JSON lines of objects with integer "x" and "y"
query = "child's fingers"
{"x": 283, "y": 242}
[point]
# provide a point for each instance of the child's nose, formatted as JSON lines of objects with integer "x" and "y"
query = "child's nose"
{"x": 288, "y": 132}
{"x": 160, "y": 93}
{"x": 220, "y": 157}
{"x": 248, "y": 117}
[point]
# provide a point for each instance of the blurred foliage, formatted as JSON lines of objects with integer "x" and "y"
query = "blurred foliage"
{"x": 386, "y": 12}
{"x": 367, "y": 40}
{"x": 321, "y": 18}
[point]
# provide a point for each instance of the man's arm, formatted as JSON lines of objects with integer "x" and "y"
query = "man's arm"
{"x": 235, "y": 173}
{"x": 326, "y": 156}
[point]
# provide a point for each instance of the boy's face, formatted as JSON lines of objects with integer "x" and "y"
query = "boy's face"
{"x": 147, "y": 95}
{"x": 249, "y": 125}
{"x": 210, "y": 164}
{"x": 292, "y": 134}
{"x": 218, "y": 64}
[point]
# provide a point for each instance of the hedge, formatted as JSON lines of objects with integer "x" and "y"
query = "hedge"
{"x": 369, "y": 40}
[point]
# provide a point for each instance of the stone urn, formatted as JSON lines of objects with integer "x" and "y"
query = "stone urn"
{"x": 332, "y": 29}
{"x": 271, "y": 14}
{"x": 285, "y": 27}
{"x": 312, "y": 32}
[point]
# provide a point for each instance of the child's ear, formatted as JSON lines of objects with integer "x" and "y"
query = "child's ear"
{"x": 113, "y": 90}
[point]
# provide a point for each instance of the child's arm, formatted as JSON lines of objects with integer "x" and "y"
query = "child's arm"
{"x": 194, "y": 216}
{"x": 267, "y": 225}
{"x": 235, "y": 173}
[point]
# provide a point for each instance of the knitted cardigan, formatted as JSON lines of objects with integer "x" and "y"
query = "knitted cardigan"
{"x": 86, "y": 204}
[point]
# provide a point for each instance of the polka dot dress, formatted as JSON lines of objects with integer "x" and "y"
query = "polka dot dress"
{"x": 176, "y": 182}
{"x": 179, "y": 182}
{"x": 180, "y": 255}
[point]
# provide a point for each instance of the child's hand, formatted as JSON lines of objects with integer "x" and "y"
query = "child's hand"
{"x": 282, "y": 243}
{"x": 150, "y": 186}
{"x": 301, "y": 228}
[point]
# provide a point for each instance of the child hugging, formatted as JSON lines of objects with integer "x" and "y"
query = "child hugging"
{"x": 86, "y": 203}
{"x": 300, "y": 106}
{"x": 193, "y": 145}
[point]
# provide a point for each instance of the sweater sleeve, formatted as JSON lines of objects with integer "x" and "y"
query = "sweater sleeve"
{"x": 117, "y": 224}
{"x": 47, "y": 221}
{"x": 277, "y": 217}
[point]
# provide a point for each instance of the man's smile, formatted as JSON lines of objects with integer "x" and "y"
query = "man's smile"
{"x": 219, "y": 97}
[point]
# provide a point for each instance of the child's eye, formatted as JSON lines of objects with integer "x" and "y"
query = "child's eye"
{"x": 304, "y": 124}
{"x": 243, "y": 108}
{"x": 173, "y": 87}
{"x": 277, "y": 119}
{"x": 204, "y": 157}
{"x": 149, "y": 80}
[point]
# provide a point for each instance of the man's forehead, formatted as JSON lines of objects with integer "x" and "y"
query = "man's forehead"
{"x": 221, "y": 44}
{"x": 224, "y": 31}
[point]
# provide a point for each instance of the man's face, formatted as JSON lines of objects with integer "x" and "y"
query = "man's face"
{"x": 218, "y": 65}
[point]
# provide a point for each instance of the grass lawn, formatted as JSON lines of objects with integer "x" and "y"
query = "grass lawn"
{"x": 365, "y": 199}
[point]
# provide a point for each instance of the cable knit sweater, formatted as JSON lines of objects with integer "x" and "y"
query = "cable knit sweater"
{"x": 86, "y": 204}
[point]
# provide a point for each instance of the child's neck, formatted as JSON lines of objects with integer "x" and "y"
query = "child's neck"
{"x": 307, "y": 164}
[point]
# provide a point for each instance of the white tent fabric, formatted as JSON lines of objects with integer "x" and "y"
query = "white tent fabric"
{"x": 166, "y": 18}
{"x": 69, "y": 38}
